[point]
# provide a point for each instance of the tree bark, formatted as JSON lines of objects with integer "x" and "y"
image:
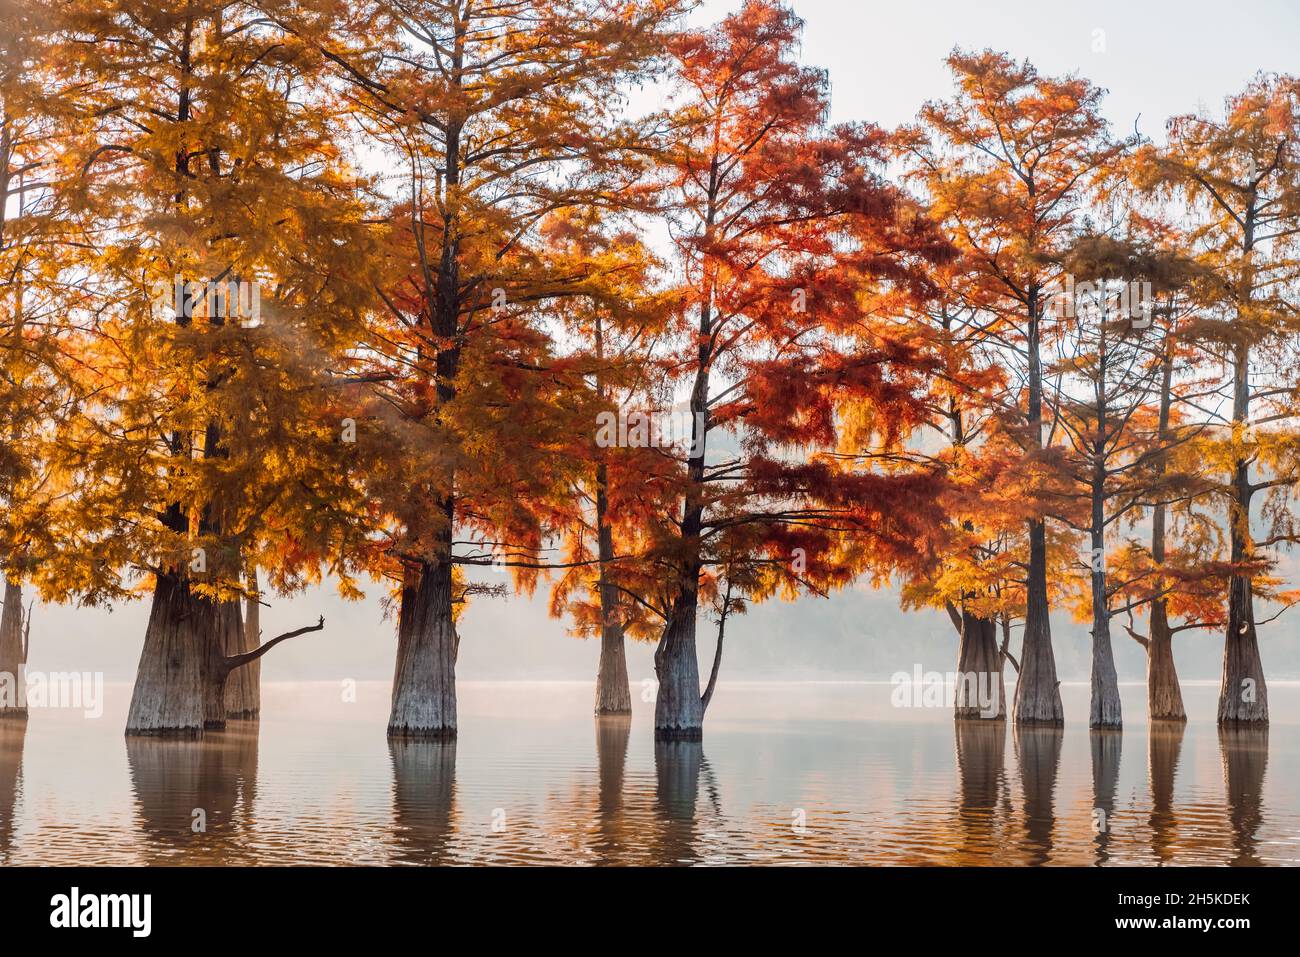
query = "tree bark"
{"x": 170, "y": 691}
{"x": 1105, "y": 709}
{"x": 424, "y": 683}
{"x": 13, "y": 653}
{"x": 180, "y": 684}
{"x": 1243, "y": 695}
{"x": 1038, "y": 693}
{"x": 244, "y": 687}
{"x": 1164, "y": 694}
{"x": 679, "y": 711}
{"x": 979, "y": 669}
{"x": 613, "y": 695}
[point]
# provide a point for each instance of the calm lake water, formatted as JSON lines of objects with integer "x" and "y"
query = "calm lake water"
{"x": 787, "y": 773}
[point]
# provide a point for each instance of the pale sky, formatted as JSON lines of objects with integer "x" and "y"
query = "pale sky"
{"x": 885, "y": 60}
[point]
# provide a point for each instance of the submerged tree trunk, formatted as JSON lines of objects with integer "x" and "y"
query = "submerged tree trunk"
{"x": 171, "y": 681}
{"x": 1164, "y": 695}
{"x": 424, "y": 683}
{"x": 679, "y": 711}
{"x": 180, "y": 684}
{"x": 1104, "y": 711}
{"x": 1243, "y": 695}
{"x": 1038, "y": 692}
{"x": 13, "y": 653}
{"x": 613, "y": 696}
{"x": 244, "y": 687}
{"x": 981, "y": 692}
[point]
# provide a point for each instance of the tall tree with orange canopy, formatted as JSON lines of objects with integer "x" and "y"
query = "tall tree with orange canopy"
{"x": 1004, "y": 165}
{"x": 1240, "y": 174}
{"x": 787, "y": 235}
{"x": 500, "y": 115}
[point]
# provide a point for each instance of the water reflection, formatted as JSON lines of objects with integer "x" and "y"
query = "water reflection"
{"x": 613, "y": 732}
{"x": 1245, "y": 758}
{"x": 1105, "y": 747}
{"x": 1038, "y": 754}
{"x": 195, "y": 798}
{"x": 1164, "y": 746}
{"x": 677, "y": 790}
{"x": 13, "y": 731}
{"x": 424, "y": 798}
{"x": 981, "y": 775}
{"x": 324, "y": 786}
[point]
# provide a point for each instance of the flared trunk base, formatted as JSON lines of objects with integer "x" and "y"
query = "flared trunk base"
{"x": 424, "y": 682}
{"x": 679, "y": 712}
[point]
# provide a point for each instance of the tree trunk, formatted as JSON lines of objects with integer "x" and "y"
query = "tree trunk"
{"x": 244, "y": 686}
{"x": 233, "y": 642}
{"x": 1243, "y": 695}
{"x": 424, "y": 683}
{"x": 979, "y": 670}
{"x": 1038, "y": 692}
{"x": 172, "y": 694}
{"x": 1164, "y": 695}
{"x": 679, "y": 712}
{"x": 613, "y": 696}
{"x": 13, "y": 656}
{"x": 1105, "y": 708}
